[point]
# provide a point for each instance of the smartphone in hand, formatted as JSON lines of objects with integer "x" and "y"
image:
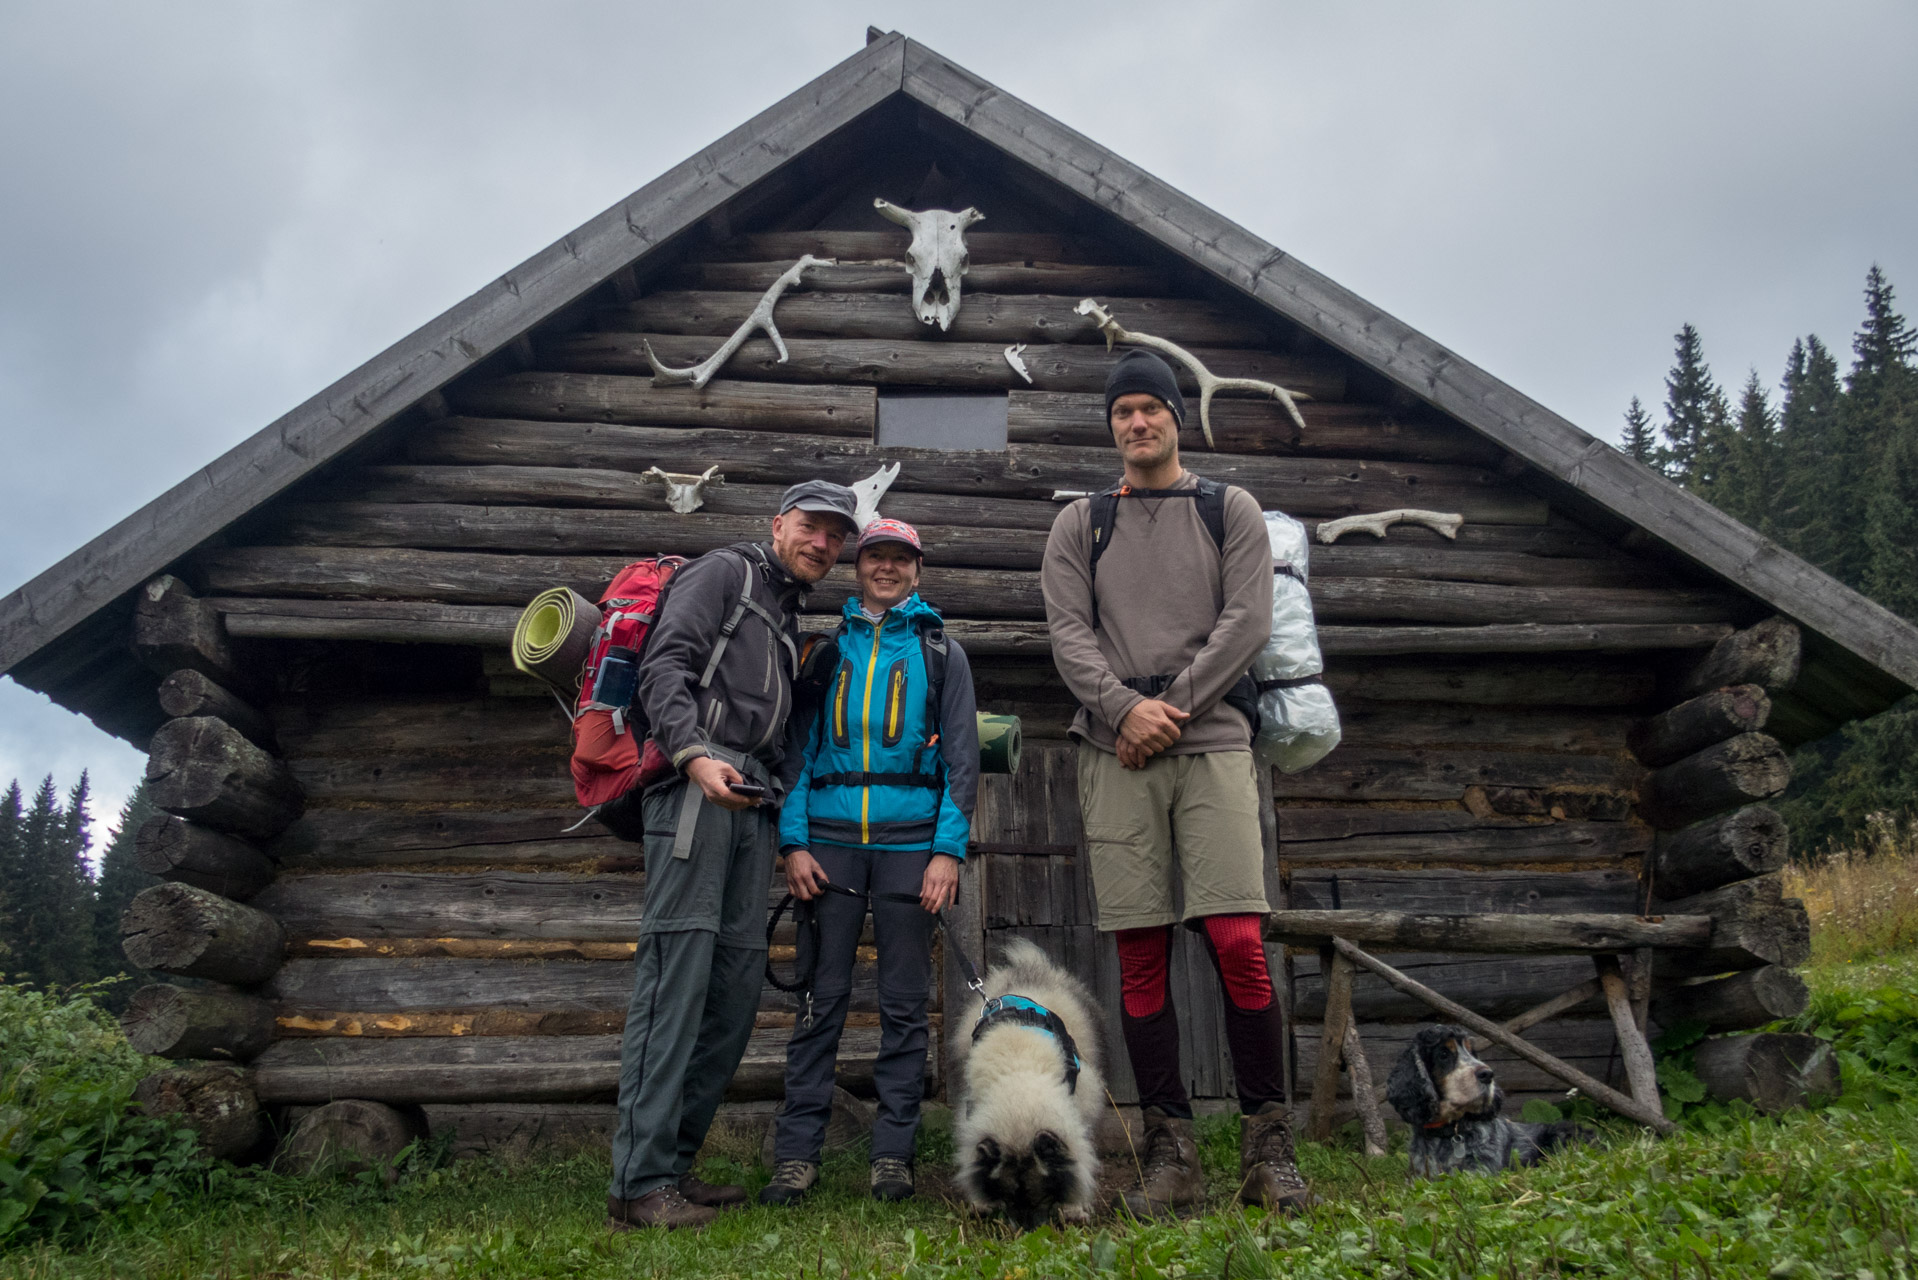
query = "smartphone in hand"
{"x": 751, "y": 790}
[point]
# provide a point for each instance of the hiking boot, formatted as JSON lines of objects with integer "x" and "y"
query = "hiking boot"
{"x": 1169, "y": 1176}
{"x": 699, "y": 1191}
{"x": 1268, "y": 1167}
{"x": 664, "y": 1208}
{"x": 891, "y": 1179}
{"x": 792, "y": 1179}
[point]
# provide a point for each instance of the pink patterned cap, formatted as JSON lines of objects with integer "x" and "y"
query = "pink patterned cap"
{"x": 891, "y": 531}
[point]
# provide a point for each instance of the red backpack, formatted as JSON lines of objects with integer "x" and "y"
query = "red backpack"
{"x": 613, "y": 754}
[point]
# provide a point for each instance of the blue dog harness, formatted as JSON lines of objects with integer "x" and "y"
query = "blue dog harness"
{"x": 1030, "y": 1013}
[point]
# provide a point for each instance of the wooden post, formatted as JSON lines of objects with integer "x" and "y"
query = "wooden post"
{"x": 1550, "y": 1009}
{"x": 177, "y": 928}
{"x": 1597, "y": 1090}
{"x": 203, "y": 769}
{"x": 1632, "y": 1048}
{"x": 175, "y": 849}
{"x": 1364, "y": 1093}
{"x": 173, "y": 1022}
{"x": 1338, "y": 1016}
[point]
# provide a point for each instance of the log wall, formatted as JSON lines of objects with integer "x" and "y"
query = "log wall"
{"x": 447, "y": 939}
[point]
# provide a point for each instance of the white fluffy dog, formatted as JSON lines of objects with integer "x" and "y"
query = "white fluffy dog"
{"x": 1025, "y": 1131}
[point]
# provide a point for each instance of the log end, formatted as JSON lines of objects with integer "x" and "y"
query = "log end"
{"x": 352, "y": 1136}
{"x": 212, "y": 1099}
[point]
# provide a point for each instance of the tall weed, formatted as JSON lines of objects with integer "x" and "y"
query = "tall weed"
{"x": 1863, "y": 899}
{"x": 70, "y": 1152}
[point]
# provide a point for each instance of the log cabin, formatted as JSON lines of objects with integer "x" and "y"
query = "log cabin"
{"x": 1580, "y": 704}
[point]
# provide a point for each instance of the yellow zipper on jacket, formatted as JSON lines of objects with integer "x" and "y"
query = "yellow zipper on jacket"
{"x": 872, "y": 666}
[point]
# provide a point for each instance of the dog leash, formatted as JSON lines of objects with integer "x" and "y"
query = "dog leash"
{"x": 807, "y": 958}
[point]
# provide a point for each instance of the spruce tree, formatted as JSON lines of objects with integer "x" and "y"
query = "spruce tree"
{"x": 1878, "y": 393}
{"x": 1695, "y": 416}
{"x": 55, "y": 900}
{"x": 1891, "y": 523}
{"x": 120, "y": 879}
{"x": 12, "y": 819}
{"x": 1640, "y": 439}
{"x": 1747, "y": 488}
{"x": 1809, "y": 448}
{"x": 1880, "y": 382}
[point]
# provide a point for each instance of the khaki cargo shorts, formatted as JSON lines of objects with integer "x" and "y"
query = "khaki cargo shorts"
{"x": 1194, "y": 818}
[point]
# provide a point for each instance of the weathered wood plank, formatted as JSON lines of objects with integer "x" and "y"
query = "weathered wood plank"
{"x": 985, "y": 317}
{"x": 963, "y": 366}
{"x": 1361, "y": 773}
{"x": 1548, "y": 842}
{"x": 490, "y": 835}
{"x": 1306, "y": 486}
{"x": 1531, "y": 935}
{"x": 493, "y": 904}
{"x": 1077, "y": 279}
{"x": 826, "y": 409}
{"x": 1464, "y": 893}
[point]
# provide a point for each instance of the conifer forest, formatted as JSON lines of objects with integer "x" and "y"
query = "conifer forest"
{"x": 1828, "y": 469}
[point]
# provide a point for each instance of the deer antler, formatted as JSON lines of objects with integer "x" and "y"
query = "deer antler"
{"x": 1375, "y": 523}
{"x": 761, "y": 318}
{"x": 1209, "y": 382}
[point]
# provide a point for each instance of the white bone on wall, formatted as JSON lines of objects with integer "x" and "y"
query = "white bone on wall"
{"x": 937, "y": 257}
{"x": 1446, "y": 523}
{"x": 869, "y": 491}
{"x": 761, "y": 318}
{"x": 684, "y": 494}
{"x": 1209, "y": 382}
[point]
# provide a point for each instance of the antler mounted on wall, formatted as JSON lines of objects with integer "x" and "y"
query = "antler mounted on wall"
{"x": 761, "y": 318}
{"x": 1446, "y": 523}
{"x": 937, "y": 257}
{"x": 1209, "y": 382}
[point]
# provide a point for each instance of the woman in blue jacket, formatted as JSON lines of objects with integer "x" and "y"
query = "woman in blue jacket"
{"x": 883, "y": 808}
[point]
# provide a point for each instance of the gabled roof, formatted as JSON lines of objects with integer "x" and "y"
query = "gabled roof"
{"x": 89, "y": 590}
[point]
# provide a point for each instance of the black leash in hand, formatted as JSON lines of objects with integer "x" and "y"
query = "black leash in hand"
{"x": 806, "y": 919}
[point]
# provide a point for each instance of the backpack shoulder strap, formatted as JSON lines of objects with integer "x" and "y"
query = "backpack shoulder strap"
{"x": 933, "y": 648}
{"x": 1102, "y": 510}
{"x": 1211, "y": 503}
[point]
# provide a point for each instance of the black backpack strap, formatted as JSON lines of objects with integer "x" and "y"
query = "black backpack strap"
{"x": 933, "y": 649}
{"x": 1211, "y": 502}
{"x": 1209, "y": 499}
{"x": 1103, "y": 512}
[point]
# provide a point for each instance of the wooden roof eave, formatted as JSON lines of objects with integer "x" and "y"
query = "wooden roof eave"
{"x": 62, "y": 598}
{"x": 1560, "y": 450}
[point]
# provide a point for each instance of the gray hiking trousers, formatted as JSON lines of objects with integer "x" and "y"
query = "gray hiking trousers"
{"x": 701, "y": 966}
{"x": 903, "y": 932}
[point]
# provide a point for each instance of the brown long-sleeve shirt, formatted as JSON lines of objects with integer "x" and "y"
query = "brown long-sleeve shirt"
{"x": 1169, "y": 604}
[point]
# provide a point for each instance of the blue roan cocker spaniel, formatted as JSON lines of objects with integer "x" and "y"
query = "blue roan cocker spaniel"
{"x": 1448, "y": 1096}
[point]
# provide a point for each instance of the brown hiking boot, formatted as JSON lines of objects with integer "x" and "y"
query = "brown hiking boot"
{"x": 1268, "y": 1167}
{"x": 663, "y": 1207}
{"x": 1169, "y": 1176}
{"x": 699, "y": 1191}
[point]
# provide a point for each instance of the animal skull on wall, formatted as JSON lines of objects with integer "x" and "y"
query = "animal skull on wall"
{"x": 684, "y": 494}
{"x": 937, "y": 257}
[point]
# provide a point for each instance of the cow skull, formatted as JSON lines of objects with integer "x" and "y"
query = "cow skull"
{"x": 936, "y": 257}
{"x": 869, "y": 491}
{"x": 684, "y": 494}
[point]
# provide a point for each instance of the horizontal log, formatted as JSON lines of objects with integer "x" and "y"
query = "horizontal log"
{"x": 384, "y": 621}
{"x": 1492, "y": 985}
{"x": 445, "y": 837}
{"x": 623, "y": 490}
{"x": 1699, "y": 722}
{"x": 826, "y": 410}
{"x": 444, "y": 725}
{"x": 1078, "y": 279}
{"x": 1559, "y": 802}
{"x": 173, "y": 629}
{"x": 1610, "y": 891}
{"x": 201, "y": 768}
{"x": 1304, "y": 823}
{"x": 1307, "y": 487}
{"x": 1586, "y": 1043}
{"x": 391, "y": 948}
{"x": 451, "y": 1069}
{"x": 1536, "y": 935}
{"x": 1751, "y": 766}
{"x": 176, "y": 928}
{"x": 1735, "y": 846}
{"x": 174, "y": 1022}
{"x": 194, "y": 693}
{"x": 889, "y": 247}
{"x": 985, "y": 317}
{"x": 1539, "y": 682}
{"x": 493, "y": 904}
{"x": 175, "y": 849}
{"x": 1367, "y": 723}
{"x": 516, "y": 780}
{"x": 1522, "y": 637}
{"x": 1773, "y": 1071}
{"x": 912, "y": 362}
{"x": 1361, "y": 773}
{"x": 1549, "y": 842}
{"x": 1332, "y": 429}
{"x": 1742, "y": 1002}
{"x": 211, "y": 1099}
{"x": 1768, "y": 655}
{"x": 1753, "y": 924}
{"x": 462, "y": 577}
{"x": 326, "y": 1024}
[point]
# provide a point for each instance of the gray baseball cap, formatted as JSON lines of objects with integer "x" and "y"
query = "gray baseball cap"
{"x": 822, "y": 495}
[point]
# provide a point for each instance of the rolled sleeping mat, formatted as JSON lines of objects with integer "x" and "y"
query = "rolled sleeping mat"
{"x": 554, "y": 635}
{"x": 1000, "y": 741}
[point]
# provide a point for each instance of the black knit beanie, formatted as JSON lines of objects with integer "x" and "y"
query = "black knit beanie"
{"x": 1138, "y": 372}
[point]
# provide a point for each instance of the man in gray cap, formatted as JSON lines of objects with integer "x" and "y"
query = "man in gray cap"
{"x": 716, "y": 684}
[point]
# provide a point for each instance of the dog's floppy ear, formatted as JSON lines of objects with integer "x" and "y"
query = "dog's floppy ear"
{"x": 1410, "y": 1089}
{"x": 1049, "y": 1151}
{"x": 988, "y": 1153}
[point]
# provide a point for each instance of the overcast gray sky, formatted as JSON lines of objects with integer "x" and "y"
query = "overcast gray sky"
{"x": 210, "y": 211}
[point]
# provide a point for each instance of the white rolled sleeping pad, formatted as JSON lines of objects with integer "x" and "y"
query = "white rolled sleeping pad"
{"x": 1299, "y": 724}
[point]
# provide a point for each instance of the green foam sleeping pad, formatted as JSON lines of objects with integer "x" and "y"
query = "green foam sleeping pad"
{"x": 1000, "y": 742}
{"x": 554, "y": 635}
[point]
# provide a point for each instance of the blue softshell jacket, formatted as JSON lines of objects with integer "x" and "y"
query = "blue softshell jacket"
{"x": 874, "y": 721}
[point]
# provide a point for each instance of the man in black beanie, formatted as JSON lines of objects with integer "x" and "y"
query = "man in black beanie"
{"x": 1158, "y": 596}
